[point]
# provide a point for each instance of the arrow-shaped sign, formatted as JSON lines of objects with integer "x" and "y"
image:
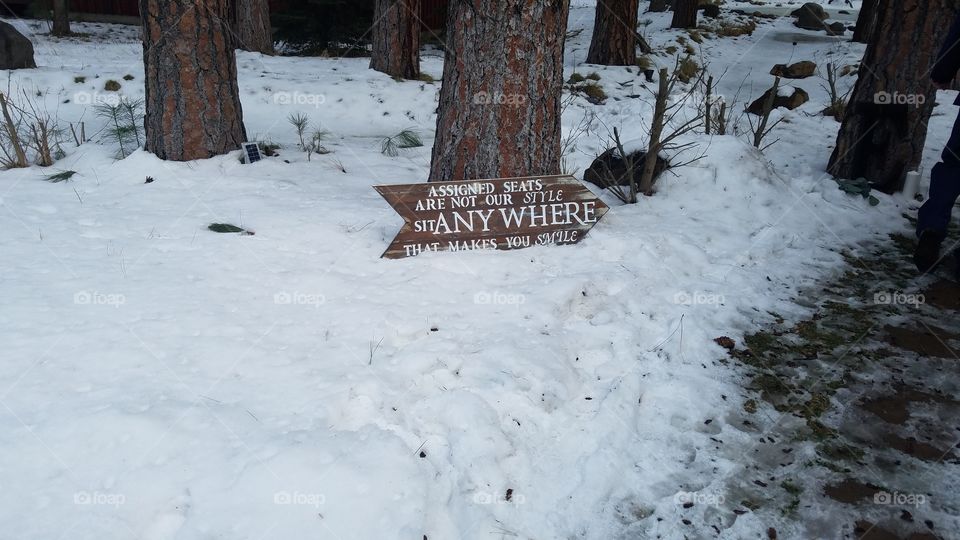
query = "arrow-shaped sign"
{"x": 506, "y": 213}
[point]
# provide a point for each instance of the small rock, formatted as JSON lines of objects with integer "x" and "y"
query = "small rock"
{"x": 799, "y": 70}
{"x": 836, "y": 29}
{"x": 726, "y": 342}
{"x": 609, "y": 168}
{"x": 797, "y": 98}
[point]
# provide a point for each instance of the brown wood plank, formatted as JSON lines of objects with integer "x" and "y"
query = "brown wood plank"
{"x": 503, "y": 214}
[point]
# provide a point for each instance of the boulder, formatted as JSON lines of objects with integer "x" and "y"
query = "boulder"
{"x": 811, "y": 8}
{"x": 16, "y": 51}
{"x": 787, "y": 97}
{"x": 810, "y": 16}
{"x": 836, "y": 28}
{"x": 710, "y": 10}
{"x": 610, "y": 168}
{"x": 799, "y": 70}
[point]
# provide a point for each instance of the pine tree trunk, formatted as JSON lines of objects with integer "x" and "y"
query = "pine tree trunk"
{"x": 502, "y": 87}
{"x": 192, "y": 98}
{"x": 251, "y": 24}
{"x": 866, "y": 22}
{"x": 614, "y": 41}
{"x": 885, "y": 125}
{"x": 684, "y": 14}
{"x": 658, "y": 6}
{"x": 61, "y": 18}
{"x": 396, "y": 38}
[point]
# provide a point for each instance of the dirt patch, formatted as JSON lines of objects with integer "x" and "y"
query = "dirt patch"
{"x": 850, "y": 491}
{"x": 927, "y": 341}
{"x": 895, "y": 408}
{"x": 918, "y": 449}
{"x": 944, "y": 295}
{"x": 866, "y": 530}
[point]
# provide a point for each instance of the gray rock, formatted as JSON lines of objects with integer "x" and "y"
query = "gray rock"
{"x": 799, "y": 70}
{"x": 16, "y": 51}
{"x": 810, "y": 16}
{"x": 710, "y": 10}
{"x": 609, "y": 169}
{"x": 836, "y": 29}
{"x": 794, "y": 100}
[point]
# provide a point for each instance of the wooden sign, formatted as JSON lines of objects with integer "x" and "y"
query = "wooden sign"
{"x": 508, "y": 213}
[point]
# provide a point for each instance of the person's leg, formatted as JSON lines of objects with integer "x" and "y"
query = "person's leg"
{"x": 934, "y": 216}
{"x": 944, "y": 188}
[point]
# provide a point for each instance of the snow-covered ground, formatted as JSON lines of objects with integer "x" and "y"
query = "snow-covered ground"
{"x": 163, "y": 381}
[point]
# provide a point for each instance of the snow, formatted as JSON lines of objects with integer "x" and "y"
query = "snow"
{"x": 163, "y": 381}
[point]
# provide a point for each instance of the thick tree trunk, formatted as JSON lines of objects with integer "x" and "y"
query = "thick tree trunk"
{"x": 251, "y": 25}
{"x": 61, "y": 18}
{"x": 684, "y": 13}
{"x": 885, "y": 124}
{"x": 658, "y": 6}
{"x": 396, "y": 38}
{"x": 614, "y": 41}
{"x": 192, "y": 99}
{"x": 866, "y": 21}
{"x": 502, "y": 86}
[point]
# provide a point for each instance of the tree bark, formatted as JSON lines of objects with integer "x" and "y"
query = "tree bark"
{"x": 658, "y": 6}
{"x": 684, "y": 13}
{"x": 250, "y": 20}
{"x": 396, "y": 38}
{"x": 502, "y": 86}
{"x": 192, "y": 98}
{"x": 614, "y": 41}
{"x": 61, "y": 18}
{"x": 866, "y": 22}
{"x": 885, "y": 124}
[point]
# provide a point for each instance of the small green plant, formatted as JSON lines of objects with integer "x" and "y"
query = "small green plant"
{"x": 594, "y": 76}
{"x": 576, "y": 78}
{"x": 124, "y": 124}
{"x": 407, "y": 138}
{"x": 860, "y": 186}
{"x": 594, "y": 93}
{"x": 128, "y": 77}
{"x": 79, "y": 79}
{"x": 312, "y": 143}
{"x": 111, "y": 86}
{"x": 687, "y": 69}
{"x": 425, "y": 77}
{"x": 63, "y": 176}
{"x": 300, "y": 122}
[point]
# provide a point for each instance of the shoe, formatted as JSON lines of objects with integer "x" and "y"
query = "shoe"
{"x": 928, "y": 251}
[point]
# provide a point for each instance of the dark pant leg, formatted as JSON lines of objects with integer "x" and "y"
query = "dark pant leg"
{"x": 944, "y": 188}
